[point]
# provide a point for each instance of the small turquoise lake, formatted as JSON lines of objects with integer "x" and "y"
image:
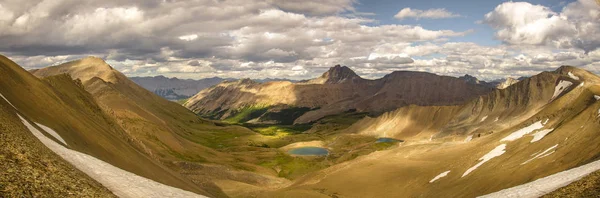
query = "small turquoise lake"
{"x": 309, "y": 151}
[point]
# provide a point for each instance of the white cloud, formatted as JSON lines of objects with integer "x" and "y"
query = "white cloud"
{"x": 294, "y": 39}
{"x": 438, "y": 13}
{"x": 522, "y": 23}
{"x": 189, "y": 37}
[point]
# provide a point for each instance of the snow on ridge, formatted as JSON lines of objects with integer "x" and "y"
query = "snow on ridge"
{"x": 560, "y": 87}
{"x": 497, "y": 118}
{"x": 547, "y": 184}
{"x": 120, "y": 182}
{"x": 444, "y": 174}
{"x": 469, "y": 138}
{"x": 597, "y": 97}
{"x": 51, "y": 132}
{"x": 484, "y": 118}
{"x": 524, "y": 131}
{"x": 542, "y": 154}
{"x": 7, "y": 101}
{"x": 540, "y": 134}
{"x": 498, "y": 151}
{"x": 573, "y": 76}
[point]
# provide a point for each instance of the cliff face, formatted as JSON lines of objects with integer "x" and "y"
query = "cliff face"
{"x": 336, "y": 91}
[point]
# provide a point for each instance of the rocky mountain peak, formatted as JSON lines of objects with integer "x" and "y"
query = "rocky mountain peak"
{"x": 339, "y": 74}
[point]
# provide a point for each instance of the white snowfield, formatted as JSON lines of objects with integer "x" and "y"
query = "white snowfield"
{"x": 120, "y": 182}
{"x": 499, "y": 150}
{"x": 573, "y": 76}
{"x": 484, "y": 118}
{"x": 542, "y": 154}
{"x": 562, "y": 86}
{"x": 444, "y": 174}
{"x": 524, "y": 131}
{"x": 547, "y": 184}
{"x": 597, "y": 97}
{"x": 540, "y": 134}
{"x": 8, "y": 101}
{"x": 51, "y": 132}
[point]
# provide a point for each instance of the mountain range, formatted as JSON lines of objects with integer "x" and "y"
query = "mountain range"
{"x": 84, "y": 129}
{"x": 337, "y": 91}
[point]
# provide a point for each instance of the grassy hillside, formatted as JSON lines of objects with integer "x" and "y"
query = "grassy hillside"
{"x": 62, "y": 104}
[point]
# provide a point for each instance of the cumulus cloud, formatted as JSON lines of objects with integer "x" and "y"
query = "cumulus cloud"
{"x": 288, "y": 39}
{"x": 522, "y": 23}
{"x": 438, "y": 13}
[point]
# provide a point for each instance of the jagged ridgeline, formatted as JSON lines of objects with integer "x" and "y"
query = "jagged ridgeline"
{"x": 337, "y": 91}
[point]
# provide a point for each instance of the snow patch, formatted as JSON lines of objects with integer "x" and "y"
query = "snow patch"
{"x": 582, "y": 84}
{"x": 7, "y": 101}
{"x": 548, "y": 184}
{"x": 51, "y": 132}
{"x": 469, "y": 138}
{"x": 540, "y": 134}
{"x": 542, "y": 154}
{"x": 573, "y": 76}
{"x": 524, "y": 131}
{"x": 562, "y": 86}
{"x": 499, "y": 150}
{"x": 120, "y": 182}
{"x": 484, "y": 118}
{"x": 444, "y": 174}
{"x": 597, "y": 97}
{"x": 497, "y": 118}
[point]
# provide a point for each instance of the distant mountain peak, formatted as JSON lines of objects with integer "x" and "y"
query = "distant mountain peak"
{"x": 470, "y": 79}
{"x": 339, "y": 74}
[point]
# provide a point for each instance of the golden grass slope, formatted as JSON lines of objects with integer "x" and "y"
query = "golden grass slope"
{"x": 62, "y": 104}
{"x": 406, "y": 171}
{"x": 169, "y": 133}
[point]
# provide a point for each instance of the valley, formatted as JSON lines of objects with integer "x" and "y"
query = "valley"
{"x": 457, "y": 146}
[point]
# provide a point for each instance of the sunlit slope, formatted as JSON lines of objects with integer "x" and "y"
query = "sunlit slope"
{"x": 337, "y": 91}
{"x": 488, "y": 113}
{"x": 31, "y": 169}
{"x": 62, "y": 105}
{"x": 168, "y": 132}
{"x": 560, "y": 133}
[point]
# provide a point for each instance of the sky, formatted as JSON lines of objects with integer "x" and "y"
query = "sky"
{"x": 301, "y": 39}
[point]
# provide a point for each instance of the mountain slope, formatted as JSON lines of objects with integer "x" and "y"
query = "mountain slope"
{"x": 544, "y": 126}
{"x": 336, "y": 91}
{"x": 82, "y": 125}
{"x": 482, "y": 115}
{"x": 167, "y": 132}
